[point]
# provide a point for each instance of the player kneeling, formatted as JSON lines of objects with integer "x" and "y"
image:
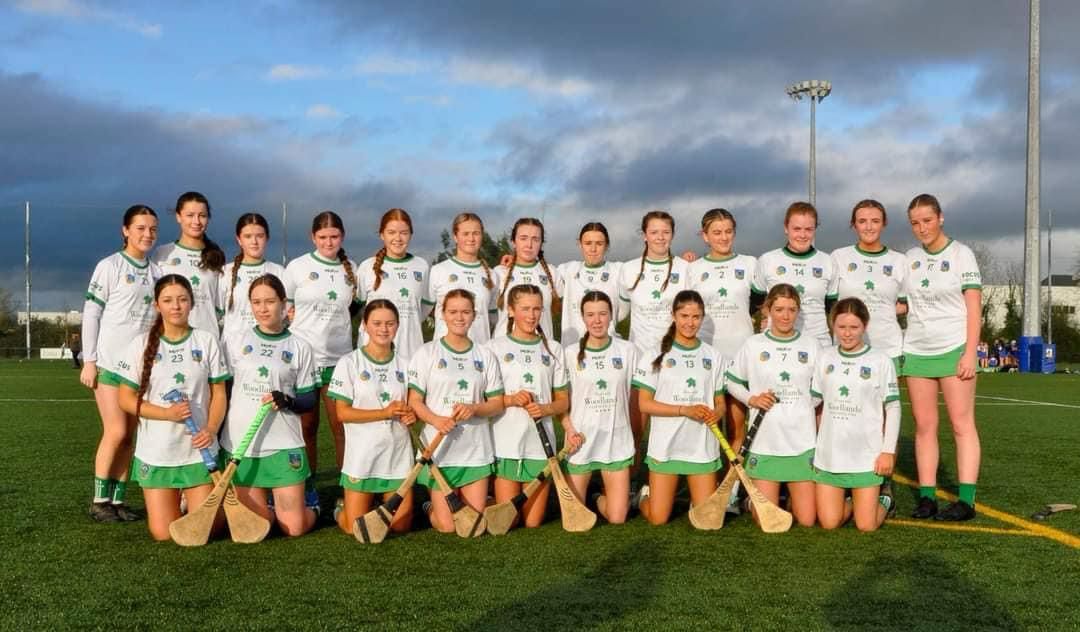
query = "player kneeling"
{"x": 860, "y": 421}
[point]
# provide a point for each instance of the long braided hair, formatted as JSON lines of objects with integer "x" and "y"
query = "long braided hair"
{"x": 468, "y": 216}
{"x": 212, "y": 256}
{"x": 247, "y": 219}
{"x": 663, "y": 216}
{"x": 330, "y": 219}
{"x": 556, "y": 301}
{"x": 393, "y": 215}
{"x": 592, "y": 296}
{"x": 516, "y": 293}
{"x": 682, "y": 298}
{"x": 153, "y": 337}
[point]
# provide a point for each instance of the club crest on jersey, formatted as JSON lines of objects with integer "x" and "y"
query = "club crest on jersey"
{"x": 509, "y": 357}
{"x": 543, "y": 279}
{"x": 441, "y": 363}
{"x": 851, "y": 267}
{"x": 617, "y": 363}
{"x": 915, "y": 265}
{"x": 384, "y": 274}
{"x": 706, "y": 363}
{"x": 400, "y": 376}
{"x": 764, "y": 357}
{"x": 817, "y": 273}
{"x": 886, "y": 270}
{"x": 670, "y": 363}
{"x": 829, "y": 369}
{"x": 864, "y": 372}
{"x": 144, "y": 469}
{"x": 247, "y": 349}
{"x": 704, "y": 276}
{"x": 781, "y": 270}
{"x": 604, "y": 276}
{"x": 313, "y": 276}
{"x": 157, "y": 357}
{"x": 175, "y": 261}
{"x": 581, "y": 365}
{"x": 196, "y": 355}
{"x": 129, "y": 278}
{"x": 364, "y": 376}
{"x": 478, "y": 365}
{"x": 545, "y": 360}
{"x": 674, "y": 277}
{"x": 804, "y": 357}
{"x": 740, "y": 274}
{"x": 418, "y": 276}
{"x": 944, "y": 266}
{"x": 453, "y": 278}
{"x": 296, "y": 460}
{"x": 286, "y": 357}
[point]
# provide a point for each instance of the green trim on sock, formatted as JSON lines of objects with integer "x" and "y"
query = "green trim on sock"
{"x": 119, "y": 491}
{"x": 967, "y": 493}
{"x": 927, "y": 492}
{"x": 102, "y": 489}
{"x": 885, "y": 501}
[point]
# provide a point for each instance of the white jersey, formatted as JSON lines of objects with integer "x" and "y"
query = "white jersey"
{"x": 525, "y": 274}
{"x": 405, "y": 284}
{"x": 810, "y": 273}
{"x": 687, "y": 377}
{"x": 188, "y": 365}
{"x": 261, "y": 363}
{"x": 576, "y": 278}
{"x": 650, "y": 302}
{"x": 935, "y": 284}
{"x": 373, "y": 449}
{"x": 724, "y": 285}
{"x": 124, "y": 288}
{"x": 854, "y": 388}
{"x": 446, "y": 377}
{"x": 452, "y": 274}
{"x": 239, "y": 319}
{"x": 786, "y": 367}
{"x": 319, "y": 290}
{"x": 875, "y": 278}
{"x": 205, "y": 311}
{"x": 600, "y": 401}
{"x": 526, "y": 366}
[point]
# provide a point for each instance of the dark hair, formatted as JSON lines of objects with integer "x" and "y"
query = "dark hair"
{"x": 380, "y": 303}
{"x": 925, "y": 199}
{"x": 849, "y": 305}
{"x": 594, "y": 226}
{"x": 212, "y": 257}
{"x": 129, "y": 216}
{"x": 330, "y": 219}
{"x": 247, "y": 219}
{"x": 682, "y": 298}
{"x": 801, "y": 208}
{"x": 651, "y": 215}
{"x": 716, "y": 215}
{"x": 592, "y": 296}
{"x": 556, "y": 302}
{"x": 467, "y": 216}
{"x": 515, "y": 293}
{"x": 868, "y": 203}
{"x": 270, "y": 281}
{"x": 781, "y": 290}
{"x": 394, "y": 214}
{"x": 153, "y": 337}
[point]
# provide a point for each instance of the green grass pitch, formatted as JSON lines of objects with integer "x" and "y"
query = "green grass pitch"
{"x": 60, "y": 570}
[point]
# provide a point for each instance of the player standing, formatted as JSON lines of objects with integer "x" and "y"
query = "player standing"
{"x": 593, "y": 272}
{"x": 198, "y": 258}
{"x": 252, "y": 235}
{"x": 465, "y": 270}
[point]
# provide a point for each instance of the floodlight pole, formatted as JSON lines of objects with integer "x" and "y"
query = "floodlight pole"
{"x": 1050, "y": 276}
{"x": 26, "y": 246}
{"x": 817, "y": 90}
{"x": 284, "y": 233}
{"x": 1030, "y": 323}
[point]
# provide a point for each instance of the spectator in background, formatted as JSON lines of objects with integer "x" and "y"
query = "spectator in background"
{"x": 76, "y": 351}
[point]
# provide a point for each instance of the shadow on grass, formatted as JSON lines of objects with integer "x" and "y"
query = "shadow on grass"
{"x": 622, "y": 584}
{"x": 917, "y": 591}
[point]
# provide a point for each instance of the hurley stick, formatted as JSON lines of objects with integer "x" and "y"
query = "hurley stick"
{"x": 374, "y": 526}
{"x": 468, "y": 522}
{"x": 194, "y": 528}
{"x": 575, "y": 515}
{"x": 710, "y": 514}
{"x": 771, "y": 518}
{"x": 245, "y": 525}
{"x": 501, "y": 517}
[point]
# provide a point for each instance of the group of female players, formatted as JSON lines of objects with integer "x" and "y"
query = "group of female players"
{"x": 820, "y": 379}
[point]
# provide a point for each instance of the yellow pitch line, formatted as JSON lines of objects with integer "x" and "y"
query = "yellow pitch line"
{"x": 1047, "y": 532}
{"x": 948, "y": 526}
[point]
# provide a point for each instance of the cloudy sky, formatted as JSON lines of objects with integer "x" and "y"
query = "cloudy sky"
{"x": 565, "y": 110}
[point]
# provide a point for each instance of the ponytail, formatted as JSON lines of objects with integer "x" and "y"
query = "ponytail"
{"x": 377, "y": 267}
{"x": 501, "y": 302}
{"x": 581, "y": 347}
{"x": 212, "y": 256}
{"x": 641, "y": 270}
{"x": 665, "y": 346}
{"x": 556, "y": 300}
{"x": 350, "y": 276}
{"x": 235, "y": 275}
{"x": 153, "y": 340}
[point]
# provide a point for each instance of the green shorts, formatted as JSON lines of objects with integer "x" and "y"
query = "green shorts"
{"x": 941, "y": 365}
{"x": 519, "y": 470}
{"x": 682, "y": 467}
{"x": 596, "y": 466}
{"x": 456, "y": 475}
{"x": 325, "y": 373}
{"x": 847, "y": 480}
{"x": 108, "y": 378}
{"x": 169, "y": 476}
{"x": 370, "y": 485}
{"x": 280, "y": 469}
{"x": 782, "y": 469}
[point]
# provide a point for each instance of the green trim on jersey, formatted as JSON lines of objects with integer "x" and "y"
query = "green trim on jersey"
{"x": 253, "y": 265}
{"x": 657, "y": 262}
{"x": 414, "y": 387}
{"x": 91, "y": 297}
{"x": 847, "y": 480}
{"x": 892, "y": 398}
{"x": 527, "y": 266}
{"x": 519, "y": 470}
{"x": 770, "y": 336}
{"x": 816, "y": 394}
{"x": 169, "y": 477}
{"x": 491, "y": 394}
{"x": 177, "y": 342}
{"x": 597, "y": 466}
{"x": 675, "y": 345}
{"x": 442, "y": 341}
{"x": 220, "y": 378}
{"x": 183, "y": 247}
{"x": 738, "y": 380}
{"x": 374, "y": 361}
{"x": 307, "y": 389}
{"x": 844, "y": 354}
{"x": 722, "y": 259}
{"x": 599, "y": 349}
{"x": 407, "y": 257}
{"x": 109, "y": 378}
{"x": 133, "y": 261}
{"x": 971, "y": 286}
{"x": 283, "y": 334}
{"x": 782, "y": 469}
{"x": 338, "y": 396}
{"x": 463, "y": 264}
{"x": 316, "y": 257}
{"x": 639, "y": 385}
{"x": 595, "y": 267}
{"x": 938, "y": 252}
{"x": 370, "y": 485}
{"x": 867, "y": 253}
{"x": 799, "y": 255}
{"x": 326, "y": 373}
{"x": 682, "y": 468}
{"x": 531, "y": 343}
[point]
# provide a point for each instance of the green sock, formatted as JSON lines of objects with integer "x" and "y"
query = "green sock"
{"x": 927, "y": 491}
{"x": 119, "y": 491}
{"x": 967, "y": 493}
{"x": 102, "y": 489}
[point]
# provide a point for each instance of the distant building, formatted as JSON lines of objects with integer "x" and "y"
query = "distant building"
{"x": 1066, "y": 297}
{"x": 71, "y": 318}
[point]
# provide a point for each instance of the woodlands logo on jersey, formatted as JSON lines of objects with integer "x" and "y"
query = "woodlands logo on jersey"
{"x": 604, "y": 277}
{"x": 364, "y": 376}
{"x": 915, "y": 265}
{"x": 453, "y": 278}
{"x": 441, "y": 363}
{"x": 704, "y": 276}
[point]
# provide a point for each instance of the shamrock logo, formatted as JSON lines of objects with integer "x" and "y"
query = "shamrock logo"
{"x": 332, "y": 295}
{"x": 528, "y": 378}
{"x": 462, "y": 385}
{"x": 146, "y": 299}
{"x": 601, "y": 384}
{"x": 691, "y": 382}
{"x": 844, "y": 391}
{"x": 179, "y": 377}
{"x": 869, "y": 285}
{"x": 925, "y": 283}
{"x": 195, "y": 281}
{"x": 800, "y": 289}
{"x": 384, "y": 396}
{"x": 785, "y": 376}
{"x": 723, "y": 291}
{"x": 404, "y": 292}
{"x": 656, "y": 294}
{"x": 263, "y": 371}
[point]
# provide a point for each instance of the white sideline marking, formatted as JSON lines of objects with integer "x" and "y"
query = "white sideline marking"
{"x": 1027, "y": 401}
